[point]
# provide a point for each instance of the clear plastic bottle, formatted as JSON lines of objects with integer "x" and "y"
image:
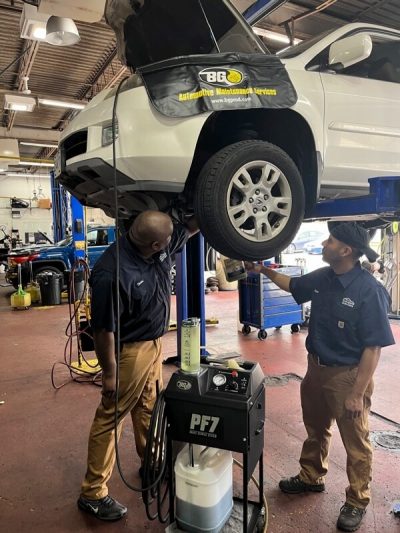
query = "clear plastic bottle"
{"x": 190, "y": 345}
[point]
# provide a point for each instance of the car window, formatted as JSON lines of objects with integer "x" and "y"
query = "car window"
{"x": 98, "y": 237}
{"x": 383, "y": 64}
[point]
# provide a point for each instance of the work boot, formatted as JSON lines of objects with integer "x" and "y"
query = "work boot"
{"x": 294, "y": 485}
{"x": 350, "y": 517}
{"x": 104, "y": 509}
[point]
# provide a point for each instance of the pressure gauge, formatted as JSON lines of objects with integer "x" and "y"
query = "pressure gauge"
{"x": 219, "y": 380}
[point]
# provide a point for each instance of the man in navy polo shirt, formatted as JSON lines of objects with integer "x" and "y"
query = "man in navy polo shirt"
{"x": 348, "y": 327}
{"x": 144, "y": 304}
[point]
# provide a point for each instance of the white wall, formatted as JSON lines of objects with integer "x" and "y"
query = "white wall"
{"x": 32, "y": 219}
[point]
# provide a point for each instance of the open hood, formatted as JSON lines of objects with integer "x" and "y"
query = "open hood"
{"x": 150, "y": 31}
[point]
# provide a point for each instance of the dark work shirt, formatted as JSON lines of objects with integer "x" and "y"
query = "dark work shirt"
{"x": 348, "y": 313}
{"x": 144, "y": 288}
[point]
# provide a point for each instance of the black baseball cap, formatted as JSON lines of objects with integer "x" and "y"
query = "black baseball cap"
{"x": 353, "y": 235}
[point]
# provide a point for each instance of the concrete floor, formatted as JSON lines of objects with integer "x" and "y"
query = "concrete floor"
{"x": 44, "y": 431}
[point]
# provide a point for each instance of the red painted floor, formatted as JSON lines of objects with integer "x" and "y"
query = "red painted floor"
{"x": 44, "y": 432}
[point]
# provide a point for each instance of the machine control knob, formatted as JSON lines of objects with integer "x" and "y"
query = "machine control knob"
{"x": 234, "y": 386}
{"x": 234, "y": 374}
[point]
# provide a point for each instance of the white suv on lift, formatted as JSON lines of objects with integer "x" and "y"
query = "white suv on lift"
{"x": 252, "y": 174}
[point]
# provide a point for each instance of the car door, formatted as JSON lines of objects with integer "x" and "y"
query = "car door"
{"x": 362, "y": 117}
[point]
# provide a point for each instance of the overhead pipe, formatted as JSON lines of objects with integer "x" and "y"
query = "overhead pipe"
{"x": 260, "y": 9}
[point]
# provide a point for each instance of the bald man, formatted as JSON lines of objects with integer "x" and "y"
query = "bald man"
{"x": 144, "y": 295}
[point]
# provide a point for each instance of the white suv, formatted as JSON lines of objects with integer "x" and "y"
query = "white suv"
{"x": 251, "y": 172}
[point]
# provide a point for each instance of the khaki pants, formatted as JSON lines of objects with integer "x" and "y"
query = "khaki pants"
{"x": 323, "y": 393}
{"x": 140, "y": 368}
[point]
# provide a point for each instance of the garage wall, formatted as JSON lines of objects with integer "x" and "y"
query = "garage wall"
{"x": 29, "y": 219}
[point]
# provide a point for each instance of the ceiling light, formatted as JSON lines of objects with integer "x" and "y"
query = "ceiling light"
{"x": 61, "y": 31}
{"x": 25, "y": 175}
{"x": 18, "y": 102}
{"x": 35, "y": 164}
{"x": 41, "y": 145}
{"x": 273, "y": 36}
{"x": 32, "y": 23}
{"x": 59, "y": 103}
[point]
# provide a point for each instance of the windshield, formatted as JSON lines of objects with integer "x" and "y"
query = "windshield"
{"x": 64, "y": 242}
{"x": 294, "y": 51}
{"x": 162, "y": 30}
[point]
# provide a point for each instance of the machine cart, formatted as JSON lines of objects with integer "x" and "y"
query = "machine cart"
{"x": 262, "y": 304}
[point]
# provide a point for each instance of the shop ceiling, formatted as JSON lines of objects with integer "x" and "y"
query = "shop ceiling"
{"x": 79, "y": 72}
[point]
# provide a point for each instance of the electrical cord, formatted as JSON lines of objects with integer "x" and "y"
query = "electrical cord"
{"x": 154, "y": 466}
{"x": 76, "y": 374}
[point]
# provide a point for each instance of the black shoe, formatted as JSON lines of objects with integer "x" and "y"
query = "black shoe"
{"x": 294, "y": 485}
{"x": 104, "y": 509}
{"x": 350, "y": 517}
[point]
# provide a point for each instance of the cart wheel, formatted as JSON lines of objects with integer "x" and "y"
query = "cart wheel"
{"x": 262, "y": 334}
{"x": 295, "y": 328}
{"x": 278, "y": 327}
{"x": 246, "y": 330}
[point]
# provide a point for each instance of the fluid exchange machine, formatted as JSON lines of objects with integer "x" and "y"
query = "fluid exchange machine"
{"x": 217, "y": 408}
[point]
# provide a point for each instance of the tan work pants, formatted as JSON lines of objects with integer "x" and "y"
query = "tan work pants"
{"x": 140, "y": 368}
{"x": 323, "y": 393}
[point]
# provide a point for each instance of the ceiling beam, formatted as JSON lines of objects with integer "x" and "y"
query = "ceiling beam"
{"x": 30, "y": 134}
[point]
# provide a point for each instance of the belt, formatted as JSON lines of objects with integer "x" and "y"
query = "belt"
{"x": 317, "y": 360}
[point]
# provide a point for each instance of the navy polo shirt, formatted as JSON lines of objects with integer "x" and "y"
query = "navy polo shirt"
{"x": 144, "y": 289}
{"x": 348, "y": 313}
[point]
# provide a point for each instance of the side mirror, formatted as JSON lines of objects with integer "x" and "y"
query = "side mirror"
{"x": 350, "y": 50}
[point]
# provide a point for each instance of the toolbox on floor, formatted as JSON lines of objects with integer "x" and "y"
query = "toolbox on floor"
{"x": 262, "y": 304}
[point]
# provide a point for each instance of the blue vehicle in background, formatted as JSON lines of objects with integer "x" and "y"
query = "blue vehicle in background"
{"x": 60, "y": 257}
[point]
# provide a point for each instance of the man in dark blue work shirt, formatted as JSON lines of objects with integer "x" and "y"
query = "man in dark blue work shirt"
{"x": 144, "y": 304}
{"x": 348, "y": 327}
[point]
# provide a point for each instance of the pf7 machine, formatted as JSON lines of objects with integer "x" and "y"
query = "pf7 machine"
{"x": 208, "y": 414}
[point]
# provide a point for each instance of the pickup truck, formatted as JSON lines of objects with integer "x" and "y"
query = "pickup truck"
{"x": 59, "y": 257}
{"x": 256, "y": 153}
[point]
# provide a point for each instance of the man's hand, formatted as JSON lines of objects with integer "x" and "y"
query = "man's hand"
{"x": 253, "y": 267}
{"x": 109, "y": 385}
{"x": 354, "y": 405}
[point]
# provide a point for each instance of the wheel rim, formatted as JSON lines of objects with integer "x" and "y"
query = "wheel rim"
{"x": 259, "y": 201}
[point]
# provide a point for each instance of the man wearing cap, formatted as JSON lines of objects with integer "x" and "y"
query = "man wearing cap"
{"x": 348, "y": 326}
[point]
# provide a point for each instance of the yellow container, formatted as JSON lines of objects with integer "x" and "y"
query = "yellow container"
{"x": 190, "y": 345}
{"x": 34, "y": 290}
{"x": 19, "y": 300}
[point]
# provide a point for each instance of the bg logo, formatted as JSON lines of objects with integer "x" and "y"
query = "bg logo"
{"x": 222, "y": 77}
{"x": 204, "y": 423}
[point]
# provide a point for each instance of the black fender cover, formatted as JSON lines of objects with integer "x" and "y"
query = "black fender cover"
{"x": 187, "y": 86}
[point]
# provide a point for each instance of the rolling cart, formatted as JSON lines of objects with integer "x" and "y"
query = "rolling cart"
{"x": 262, "y": 304}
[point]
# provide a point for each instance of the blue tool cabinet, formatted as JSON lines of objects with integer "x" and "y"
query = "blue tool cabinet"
{"x": 262, "y": 304}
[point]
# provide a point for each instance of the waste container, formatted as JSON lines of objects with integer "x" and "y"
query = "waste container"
{"x": 50, "y": 284}
{"x": 75, "y": 293}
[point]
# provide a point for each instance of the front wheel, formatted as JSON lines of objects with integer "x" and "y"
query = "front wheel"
{"x": 249, "y": 200}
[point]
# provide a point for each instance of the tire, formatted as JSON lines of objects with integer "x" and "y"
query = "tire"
{"x": 246, "y": 329}
{"x": 237, "y": 206}
{"x": 262, "y": 334}
{"x": 295, "y": 328}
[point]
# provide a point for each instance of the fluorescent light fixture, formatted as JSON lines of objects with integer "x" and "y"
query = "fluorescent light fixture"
{"x": 36, "y": 164}
{"x": 40, "y": 145}
{"x": 19, "y": 102}
{"x": 61, "y": 31}
{"x": 32, "y": 23}
{"x": 25, "y": 175}
{"x": 273, "y": 36}
{"x": 59, "y": 103}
